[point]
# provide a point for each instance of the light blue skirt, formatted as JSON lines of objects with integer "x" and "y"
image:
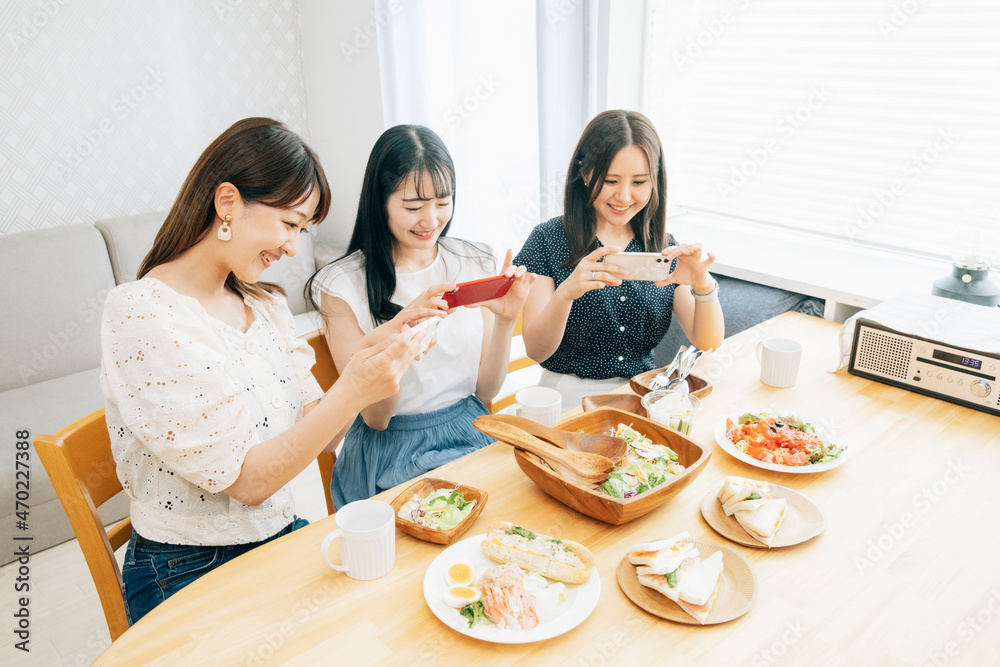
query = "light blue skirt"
{"x": 372, "y": 461}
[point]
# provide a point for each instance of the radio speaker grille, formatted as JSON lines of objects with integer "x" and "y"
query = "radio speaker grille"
{"x": 883, "y": 353}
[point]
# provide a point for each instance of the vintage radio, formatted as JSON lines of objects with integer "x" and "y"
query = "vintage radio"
{"x": 926, "y": 351}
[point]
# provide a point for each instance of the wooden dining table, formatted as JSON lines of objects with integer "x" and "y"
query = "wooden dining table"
{"x": 906, "y": 572}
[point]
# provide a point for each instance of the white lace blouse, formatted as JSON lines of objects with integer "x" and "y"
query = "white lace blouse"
{"x": 186, "y": 397}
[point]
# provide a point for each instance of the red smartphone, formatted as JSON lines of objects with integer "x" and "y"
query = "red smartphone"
{"x": 475, "y": 291}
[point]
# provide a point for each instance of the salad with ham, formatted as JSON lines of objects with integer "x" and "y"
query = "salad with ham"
{"x": 781, "y": 439}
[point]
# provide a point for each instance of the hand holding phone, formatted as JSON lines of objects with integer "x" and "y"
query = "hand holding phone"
{"x": 641, "y": 265}
{"x": 476, "y": 291}
{"x": 427, "y": 328}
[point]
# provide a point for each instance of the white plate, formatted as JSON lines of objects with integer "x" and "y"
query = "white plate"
{"x": 580, "y": 599}
{"x": 829, "y": 433}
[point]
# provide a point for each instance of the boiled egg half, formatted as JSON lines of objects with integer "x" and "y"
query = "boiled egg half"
{"x": 459, "y": 596}
{"x": 460, "y": 574}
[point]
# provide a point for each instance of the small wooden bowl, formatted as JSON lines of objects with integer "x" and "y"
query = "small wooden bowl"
{"x": 597, "y": 504}
{"x": 423, "y": 488}
{"x": 626, "y": 402}
{"x": 699, "y": 387}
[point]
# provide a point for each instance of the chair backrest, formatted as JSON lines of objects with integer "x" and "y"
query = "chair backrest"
{"x": 78, "y": 461}
{"x": 326, "y": 374}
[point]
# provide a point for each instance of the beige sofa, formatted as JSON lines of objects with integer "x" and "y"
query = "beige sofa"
{"x": 55, "y": 283}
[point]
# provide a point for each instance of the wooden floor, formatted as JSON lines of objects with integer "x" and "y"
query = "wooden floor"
{"x": 67, "y": 624}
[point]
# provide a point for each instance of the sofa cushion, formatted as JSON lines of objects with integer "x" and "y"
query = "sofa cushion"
{"x": 55, "y": 282}
{"x": 129, "y": 239}
{"x": 46, "y": 407}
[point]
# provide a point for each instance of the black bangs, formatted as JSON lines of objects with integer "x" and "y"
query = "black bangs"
{"x": 440, "y": 179}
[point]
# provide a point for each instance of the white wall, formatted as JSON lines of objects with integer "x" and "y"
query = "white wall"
{"x": 344, "y": 103}
{"x": 105, "y": 106}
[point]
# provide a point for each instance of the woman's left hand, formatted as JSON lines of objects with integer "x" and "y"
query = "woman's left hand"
{"x": 692, "y": 267}
{"x": 509, "y": 305}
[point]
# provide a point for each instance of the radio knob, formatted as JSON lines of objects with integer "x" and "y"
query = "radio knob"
{"x": 980, "y": 388}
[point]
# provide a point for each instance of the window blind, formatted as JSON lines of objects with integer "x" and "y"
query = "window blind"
{"x": 872, "y": 121}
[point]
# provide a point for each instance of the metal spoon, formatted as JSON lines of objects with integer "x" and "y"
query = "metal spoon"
{"x": 660, "y": 380}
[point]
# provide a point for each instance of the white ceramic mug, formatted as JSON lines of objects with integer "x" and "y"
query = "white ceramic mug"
{"x": 539, "y": 404}
{"x": 779, "y": 360}
{"x": 367, "y": 529}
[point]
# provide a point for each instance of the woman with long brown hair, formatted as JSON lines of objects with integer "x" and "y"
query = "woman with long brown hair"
{"x": 210, "y": 400}
{"x": 588, "y": 324}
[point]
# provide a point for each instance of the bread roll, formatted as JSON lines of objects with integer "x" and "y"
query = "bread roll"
{"x": 561, "y": 560}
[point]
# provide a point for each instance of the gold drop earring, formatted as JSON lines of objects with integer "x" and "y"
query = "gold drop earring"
{"x": 225, "y": 233}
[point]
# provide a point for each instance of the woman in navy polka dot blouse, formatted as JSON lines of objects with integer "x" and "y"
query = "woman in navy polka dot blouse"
{"x": 585, "y": 321}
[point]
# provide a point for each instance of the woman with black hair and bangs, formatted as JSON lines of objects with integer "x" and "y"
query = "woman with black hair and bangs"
{"x": 589, "y": 326}
{"x": 398, "y": 265}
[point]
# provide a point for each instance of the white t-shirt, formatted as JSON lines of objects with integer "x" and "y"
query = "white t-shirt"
{"x": 186, "y": 397}
{"x": 447, "y": 373}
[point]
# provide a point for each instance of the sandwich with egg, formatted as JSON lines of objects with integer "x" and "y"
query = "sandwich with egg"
{"x": 750, "y": 502}
{"x": 551, "y": 557}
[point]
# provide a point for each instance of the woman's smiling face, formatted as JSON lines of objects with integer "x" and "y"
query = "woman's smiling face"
{"x": 414, "y": 222}
{"x": 626, "y": 190}
{"x": 264, "y": 234}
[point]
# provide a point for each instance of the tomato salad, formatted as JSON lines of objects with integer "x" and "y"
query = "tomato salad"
{"x": 780, "y": 439}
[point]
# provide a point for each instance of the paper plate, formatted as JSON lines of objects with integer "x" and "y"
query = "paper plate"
{"x": 736, "y": 596}
{"x": 803, "y": 520}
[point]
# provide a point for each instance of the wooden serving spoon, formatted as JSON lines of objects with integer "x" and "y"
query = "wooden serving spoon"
{"x": 579, "y": 466}
{"x": 594, "y": 443}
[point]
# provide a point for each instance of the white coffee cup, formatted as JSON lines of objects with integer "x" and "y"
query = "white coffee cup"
{"x": 779, "y": 360}
{"x": 367, "y": 529}
{"x": 539, "y": 404}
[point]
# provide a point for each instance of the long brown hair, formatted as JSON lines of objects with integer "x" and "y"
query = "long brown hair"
{"x": 607, "y": 134}
{"x": 268, "y": 163}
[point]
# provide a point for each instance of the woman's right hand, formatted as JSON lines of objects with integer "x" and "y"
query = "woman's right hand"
{"x": 374, "y": 373}
{"x": 591, "y": 274}
{"x": 429, "y": 303}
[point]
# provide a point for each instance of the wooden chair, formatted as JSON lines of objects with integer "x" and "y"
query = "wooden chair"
{"x": 78, "y": 461}
{"x": 326, "y": 374}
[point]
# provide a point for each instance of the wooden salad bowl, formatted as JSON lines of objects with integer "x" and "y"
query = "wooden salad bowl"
{"x": 698, "y": 386}
{"x": 597, "y": 504}
{"x": 426, "y": 486}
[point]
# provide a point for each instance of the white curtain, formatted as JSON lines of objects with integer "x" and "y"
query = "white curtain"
{"x": 871, "y": 121}
{"x": 509, "y": 87}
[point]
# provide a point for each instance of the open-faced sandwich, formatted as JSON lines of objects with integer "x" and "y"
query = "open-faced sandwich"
{"x": 562, "y": 560}
{"x": 750, "y": 503}
{"x": 517, "y": 594}
{"x": 674, "y": 568}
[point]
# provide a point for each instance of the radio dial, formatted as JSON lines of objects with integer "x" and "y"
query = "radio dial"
{"x": 980, "y": 388}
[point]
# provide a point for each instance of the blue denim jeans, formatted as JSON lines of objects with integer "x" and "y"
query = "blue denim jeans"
{"x": 153, "y": 571}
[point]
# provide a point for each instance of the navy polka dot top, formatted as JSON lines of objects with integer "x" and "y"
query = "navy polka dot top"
{"x": 610, "y": 332}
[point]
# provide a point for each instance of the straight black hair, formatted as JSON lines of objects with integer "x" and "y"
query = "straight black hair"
{"x": 400, "y": 151}
{"x": 607, "y": 134}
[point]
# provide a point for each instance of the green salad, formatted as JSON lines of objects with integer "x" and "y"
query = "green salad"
{"x": 644, "y": 466}
{"x": 441, "y": 510}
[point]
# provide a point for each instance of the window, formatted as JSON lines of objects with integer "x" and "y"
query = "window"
{"x": 868, "y": 122}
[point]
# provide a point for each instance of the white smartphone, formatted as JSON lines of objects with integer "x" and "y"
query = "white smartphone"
{"x": 641, "y": 265}
{"x": 427, "y": 329}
